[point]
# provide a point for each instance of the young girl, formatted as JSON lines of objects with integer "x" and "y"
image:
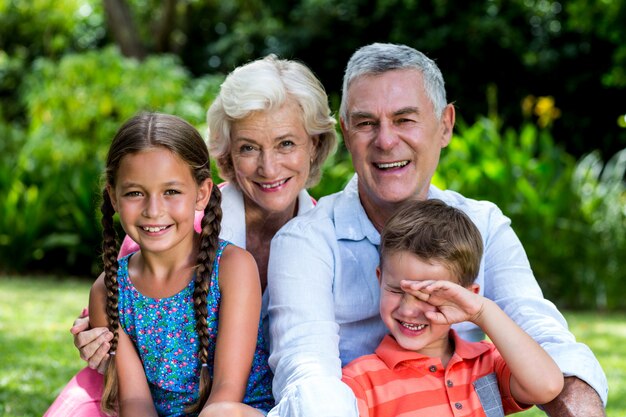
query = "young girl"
{"x": 164, "y": 302}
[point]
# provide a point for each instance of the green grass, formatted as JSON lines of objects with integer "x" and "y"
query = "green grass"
{"x": 37, "y": 356}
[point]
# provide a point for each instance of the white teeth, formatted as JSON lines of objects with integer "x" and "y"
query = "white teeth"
{"x": 154, "y": 229}
{"x": 392, "y": 165}
{"x": 273, "y": 185}
{"x": 414, "y": 327}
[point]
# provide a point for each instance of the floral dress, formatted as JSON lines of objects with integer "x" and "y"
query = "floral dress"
{"x": 164, "y": 334}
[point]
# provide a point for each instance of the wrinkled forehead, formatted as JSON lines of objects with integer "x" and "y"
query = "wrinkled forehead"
{"x": 391, "y": 90}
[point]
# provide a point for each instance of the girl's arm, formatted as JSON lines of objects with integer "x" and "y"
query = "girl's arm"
{"x": 239, "y": 316}
{"x": 133, "y": 393}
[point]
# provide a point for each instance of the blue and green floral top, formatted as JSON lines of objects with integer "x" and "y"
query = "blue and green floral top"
{"x": 163, "y": 331}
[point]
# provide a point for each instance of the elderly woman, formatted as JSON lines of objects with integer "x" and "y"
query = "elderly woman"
{"x": 270, "y": 132}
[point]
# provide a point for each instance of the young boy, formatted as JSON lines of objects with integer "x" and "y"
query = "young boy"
{"x": 422, "y": 368}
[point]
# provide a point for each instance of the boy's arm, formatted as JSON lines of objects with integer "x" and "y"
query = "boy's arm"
{"x": 134, "y": 398}
{"x": 509, "y": 281}
{"x": 535, "y": 377}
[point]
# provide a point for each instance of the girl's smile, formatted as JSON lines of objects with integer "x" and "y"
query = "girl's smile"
{"x": 156, "y": 207}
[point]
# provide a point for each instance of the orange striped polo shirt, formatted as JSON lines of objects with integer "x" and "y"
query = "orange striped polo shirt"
{"x": 394, "y": 382}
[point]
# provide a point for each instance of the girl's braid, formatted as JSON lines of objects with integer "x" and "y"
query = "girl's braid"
{"x": 109, "y": 259}
{"x": 209, "y": 242}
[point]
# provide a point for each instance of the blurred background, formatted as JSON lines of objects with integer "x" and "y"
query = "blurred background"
{"x": 539, "y": 88}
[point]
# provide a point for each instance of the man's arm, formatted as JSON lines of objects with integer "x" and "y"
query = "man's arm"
{"x": 303, "y": 332}
{"x": 569, "y": 403}
{"x": 509, "y": 281}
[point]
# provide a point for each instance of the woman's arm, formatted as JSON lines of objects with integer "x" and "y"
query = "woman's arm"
{"x": 239, "y": 315}
{"x": 133, "y": 393}
{"x": 92, "y": 344}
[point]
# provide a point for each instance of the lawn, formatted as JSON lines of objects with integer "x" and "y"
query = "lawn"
{"x": 37, "y": 356}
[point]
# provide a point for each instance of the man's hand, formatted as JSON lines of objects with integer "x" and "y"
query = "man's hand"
{"x": 93, "y": 344}
{"x": 576, "y": 400}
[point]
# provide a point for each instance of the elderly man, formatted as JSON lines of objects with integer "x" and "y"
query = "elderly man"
{"x": 322, "y": 284}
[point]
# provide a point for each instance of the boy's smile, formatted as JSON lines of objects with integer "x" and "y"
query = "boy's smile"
{"x": 402, "y": 313}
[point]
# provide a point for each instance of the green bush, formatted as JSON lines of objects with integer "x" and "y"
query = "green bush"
{"x": 558, "y": 207}
{"x": 336, "y": 172}
{"x": 602, "y": 194}
{"x": 52, "y": 180}
{"x": 570, "y": 215}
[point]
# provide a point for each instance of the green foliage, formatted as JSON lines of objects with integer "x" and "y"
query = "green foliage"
{"x": 76, "y": 105}
{"x": 64, "y": 90}
{"x": 602, "y": 194}
{"x": 605, "y": 20}
{"x": 74, "y": 108}
{"x": 336, "y": 172}
{"x": 41, "y": 28}
{"x": 49, "y": 27}
{"x": 566, "y": 50}
{"x": 570, "y": 216}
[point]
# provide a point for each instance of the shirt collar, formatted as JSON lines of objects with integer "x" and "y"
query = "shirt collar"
{"x": 392, "y": 354}
{"x": 233, "y": 224}
{"x": 351, "y": 221}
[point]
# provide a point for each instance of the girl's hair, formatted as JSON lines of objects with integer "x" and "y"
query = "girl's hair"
{"x": 149, "y": 131}
{"x": 435, "y": 231}
{"x": 265, "y": 85}
{"x": 378, "y": 58}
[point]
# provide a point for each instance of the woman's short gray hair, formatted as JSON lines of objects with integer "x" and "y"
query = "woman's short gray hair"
{"x": 265, "y": 85}
{"x": 377, "y": 58}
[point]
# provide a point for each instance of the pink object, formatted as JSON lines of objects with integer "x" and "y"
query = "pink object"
{"x": 80, "y": 397}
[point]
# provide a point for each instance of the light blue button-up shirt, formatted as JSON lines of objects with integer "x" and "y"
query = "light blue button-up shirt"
{"x": 323, "y": 301}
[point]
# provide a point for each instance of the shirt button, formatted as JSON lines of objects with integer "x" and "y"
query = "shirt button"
{"x": 458, "y": 406}
{"x": 449, "y": 383}
{"x": 432, "y": 368}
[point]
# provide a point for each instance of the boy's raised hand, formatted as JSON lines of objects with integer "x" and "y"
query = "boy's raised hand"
{"x": 454, "y": 302}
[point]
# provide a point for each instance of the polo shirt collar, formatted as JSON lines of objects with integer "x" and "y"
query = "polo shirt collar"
{"x": 392, "y": 354}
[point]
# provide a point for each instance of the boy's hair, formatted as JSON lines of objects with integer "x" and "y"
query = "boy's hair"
{"x": 149, "y": 131}
{"x": 435, "y": 232}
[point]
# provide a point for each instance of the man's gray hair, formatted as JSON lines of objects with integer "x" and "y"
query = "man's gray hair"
{"x": 377, "y": 58}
